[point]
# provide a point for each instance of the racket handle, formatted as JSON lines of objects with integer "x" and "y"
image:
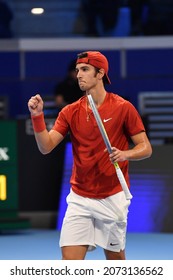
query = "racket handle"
{"x": 122, "y": 181}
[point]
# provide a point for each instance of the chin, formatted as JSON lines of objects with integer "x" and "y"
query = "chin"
{"x": 83, "y": 88}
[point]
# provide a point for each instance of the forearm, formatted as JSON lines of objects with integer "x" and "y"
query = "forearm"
{"x": 42, "y": 136}
{"x": 142, "y": 148}
{"x": 139, "y": 152}
{"x": 44, "y": 142}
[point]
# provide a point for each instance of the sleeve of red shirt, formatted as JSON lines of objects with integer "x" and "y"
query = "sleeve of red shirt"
{"x": 133, "y": 121}
{"x": 61, "y": 124}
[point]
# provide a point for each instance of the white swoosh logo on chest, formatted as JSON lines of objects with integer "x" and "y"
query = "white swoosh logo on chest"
{"x": 106, "y": 120}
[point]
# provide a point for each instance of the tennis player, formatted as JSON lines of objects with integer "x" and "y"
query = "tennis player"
{"x": 97, "y": 208}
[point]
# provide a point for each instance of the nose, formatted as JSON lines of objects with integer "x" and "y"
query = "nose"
{"x": 78, "y": 74}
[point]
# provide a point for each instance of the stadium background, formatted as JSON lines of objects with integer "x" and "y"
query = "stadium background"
{"x": 34, "y": 60}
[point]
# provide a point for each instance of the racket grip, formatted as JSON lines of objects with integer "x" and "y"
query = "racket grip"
{"x": 123, "y": 182}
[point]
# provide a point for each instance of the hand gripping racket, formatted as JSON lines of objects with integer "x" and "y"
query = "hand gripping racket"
{"x": 109, "y": 148}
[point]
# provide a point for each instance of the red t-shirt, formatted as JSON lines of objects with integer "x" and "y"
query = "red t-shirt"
{"x": 93, "y": 174}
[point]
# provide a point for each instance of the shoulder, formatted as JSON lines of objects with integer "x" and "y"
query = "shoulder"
{"x": 120, "y": 102}
{"x": 115, "y": 98}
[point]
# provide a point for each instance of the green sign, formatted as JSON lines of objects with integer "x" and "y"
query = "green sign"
{"x": 8, "y": 168}
{"x": 8, "y": 178}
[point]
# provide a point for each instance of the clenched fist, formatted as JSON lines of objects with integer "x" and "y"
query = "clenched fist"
{"x": 35, "y": 105}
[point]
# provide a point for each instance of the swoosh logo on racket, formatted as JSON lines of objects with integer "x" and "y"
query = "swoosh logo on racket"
{"x": 106, "y": 120}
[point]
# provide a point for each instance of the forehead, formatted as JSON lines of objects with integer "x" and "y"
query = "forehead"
{"x": 82, "y": 65}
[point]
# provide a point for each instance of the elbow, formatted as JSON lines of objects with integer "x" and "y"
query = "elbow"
{"x": 44, "y": 151}
{"x": 149, "y": 152}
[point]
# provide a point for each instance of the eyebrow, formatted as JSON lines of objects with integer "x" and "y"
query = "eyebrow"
{"x": 82, "y": 67}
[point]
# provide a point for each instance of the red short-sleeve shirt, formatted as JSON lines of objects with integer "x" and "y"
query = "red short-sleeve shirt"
{"x": 93, "y": 174}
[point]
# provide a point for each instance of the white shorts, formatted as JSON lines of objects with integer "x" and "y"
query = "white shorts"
{"x": 92, "y": 222}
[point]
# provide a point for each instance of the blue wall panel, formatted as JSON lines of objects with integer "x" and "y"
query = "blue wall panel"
{"x": 9, "y": 65}
{"x": 149, "y": 63}
{"x": 12, "y": 90}
{"x": 147, "y": 70}
{"x": 48, "y": 64}
{"x": 129, "y": 88}
{"x": 55, "y": 64}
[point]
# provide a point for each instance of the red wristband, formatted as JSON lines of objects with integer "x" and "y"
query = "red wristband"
{"x": 38, "y": 123}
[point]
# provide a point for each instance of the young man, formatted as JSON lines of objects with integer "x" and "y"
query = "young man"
{"x": 97, "y": 208}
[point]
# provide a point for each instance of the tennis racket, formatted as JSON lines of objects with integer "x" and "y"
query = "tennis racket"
{"x": 109, "y": 148}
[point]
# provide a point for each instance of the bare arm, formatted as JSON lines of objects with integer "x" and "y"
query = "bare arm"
{"x": 142, "y": 149}
{"x": 46, "y": 141}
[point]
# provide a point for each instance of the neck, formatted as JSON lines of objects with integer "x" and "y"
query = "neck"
{"x": 98, "y": 97}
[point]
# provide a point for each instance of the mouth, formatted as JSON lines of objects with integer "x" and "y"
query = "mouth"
{"x": 81, "y": 82}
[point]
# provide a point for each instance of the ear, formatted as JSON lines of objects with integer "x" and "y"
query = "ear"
{"x": 101, "y": 73}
